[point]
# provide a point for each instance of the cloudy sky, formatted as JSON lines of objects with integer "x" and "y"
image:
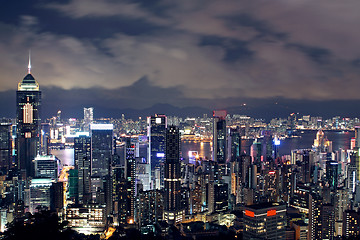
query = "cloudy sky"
{"x": 132, "y": 54}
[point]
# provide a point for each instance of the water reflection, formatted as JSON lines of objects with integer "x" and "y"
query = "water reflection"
{"x": 339, "y": 139}
{"x": 66, "y": 156}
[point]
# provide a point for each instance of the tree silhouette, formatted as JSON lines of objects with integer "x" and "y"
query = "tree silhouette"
{"x": 41, "y": 225}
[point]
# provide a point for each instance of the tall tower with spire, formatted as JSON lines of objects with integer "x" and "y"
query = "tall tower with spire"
{"x": 28, "y": 103}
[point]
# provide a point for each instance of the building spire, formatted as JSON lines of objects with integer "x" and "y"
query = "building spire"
{"x": 29, "y": 66}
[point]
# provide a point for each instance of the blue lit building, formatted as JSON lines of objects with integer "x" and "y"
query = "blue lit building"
{"x": 156, "y": 149}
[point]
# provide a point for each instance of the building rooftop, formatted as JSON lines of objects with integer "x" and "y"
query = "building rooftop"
{"x": 28, "y": 84}
{"x": 264, "y": 205}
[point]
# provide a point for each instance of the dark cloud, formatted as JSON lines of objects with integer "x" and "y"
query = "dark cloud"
{"x": 193, "y": 53}
{"x": 234, "y": 49}
{"x": 261, "y": 27}
{"x": 317, "y": 54}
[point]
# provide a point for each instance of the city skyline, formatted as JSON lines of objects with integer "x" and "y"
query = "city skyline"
{"x": 283, "y": 55}
{"x": 231, "y": 179}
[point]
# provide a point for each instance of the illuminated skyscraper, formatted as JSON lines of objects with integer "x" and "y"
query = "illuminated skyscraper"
{"x": 101, "y": 149}
{"x": 315, "y": 216}
{"x": 82, "y": 157}
{"x": 332, "y": 173}
{"x": 130, "y": 168}
{"x": 219, "y": 137}
{"x": 28, "y": 102}
{"x": 88, "y": 118}
{"x": 357, "y": 151}
{"x": 234, "y": 144}
{"x": 156, "y": 151}
{"x": 172, "y": 212}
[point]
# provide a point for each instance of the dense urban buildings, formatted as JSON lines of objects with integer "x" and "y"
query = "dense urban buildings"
{"x": 225, "y": 175}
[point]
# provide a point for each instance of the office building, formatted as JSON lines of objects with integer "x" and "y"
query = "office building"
{"x": 172, "y": 213}
{"x": 356, "y": 154}
{"x": 88, "y": 118}
{"x": 28, "y": 102}
{"x": 328, "y": 221}
{"x": 47, "y": 167}
{"x": 219, "y": 136}
{"x": 221, "y": 196}
{"x": 5, "y": 145}
{"x": 264, "y": 221}
{"x": 150, "y": 207}
{"x": 101, "y": 149}
{"x": 143, "y": 175}
{"x": 301, "y": 230}
{"x": 234, "y": 144}
{"x": 57, "y": 197}
{"x": 73, "y": 187}
{"x": 40, "y": 193}
{"x": 315, "y": 217}
{"x": 157, "y": 125}
{"x": 130, "y": 168}
{"x": 332, "y": 174}
{"x": 87, "y": 219}
{"x": 82, "y": 158}
{"x": 119, "y": 194}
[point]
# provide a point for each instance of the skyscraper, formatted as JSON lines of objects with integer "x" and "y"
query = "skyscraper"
{"x": 28, "y": 102}
{"x": 5, "y": 145}
{"x": 332, "y": 174}
{"x": 172, "y": 212}
{"x": 101, "y": 149}
{"x": 88, "y": 118}
{"x": 156, "y": 134}
{"x": 315, "y": 216}
{"x": 234, "y": 144}
{"x": 82, "y": 157}
{"x": 130, "y": 168}
{"x": 357, "y": 151}
{"x": 219, "y": 136}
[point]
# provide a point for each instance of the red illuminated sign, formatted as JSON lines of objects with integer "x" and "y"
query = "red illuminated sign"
{"x": 271, "y": 213}
{"x": 249, "y": 213}
{"x": 272, "y": 172}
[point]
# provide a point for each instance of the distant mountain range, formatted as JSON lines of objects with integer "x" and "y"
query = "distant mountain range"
{"x": 110, "y": 103}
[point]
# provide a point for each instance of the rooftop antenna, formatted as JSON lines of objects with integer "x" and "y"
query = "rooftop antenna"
{"x": 29, "y": 66}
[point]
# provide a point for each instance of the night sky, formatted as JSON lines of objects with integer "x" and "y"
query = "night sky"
{"x": 274, "y": 56}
